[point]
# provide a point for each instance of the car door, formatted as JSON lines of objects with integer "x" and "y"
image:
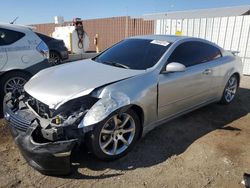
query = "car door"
{"x": 181, "y": 91}
{"x": 3, "y": 53}
{"x": 14, "y": 48}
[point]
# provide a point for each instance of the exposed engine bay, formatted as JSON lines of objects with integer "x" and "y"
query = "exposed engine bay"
{"x": 54, "y": 125}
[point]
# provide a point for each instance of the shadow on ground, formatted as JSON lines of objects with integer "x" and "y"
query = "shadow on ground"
{"x": 171, "y": 138}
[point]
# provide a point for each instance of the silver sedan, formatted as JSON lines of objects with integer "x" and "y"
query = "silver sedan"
{"x": 112, "y": 100}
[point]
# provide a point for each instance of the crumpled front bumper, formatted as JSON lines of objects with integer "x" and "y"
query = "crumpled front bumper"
{"x": 50, "y": 158}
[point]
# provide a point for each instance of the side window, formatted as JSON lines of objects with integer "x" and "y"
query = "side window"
{"x": 8, "y": 37}
{"x": 192, "y": 53}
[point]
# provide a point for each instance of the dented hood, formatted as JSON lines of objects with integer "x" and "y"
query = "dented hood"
{"x": 57, "y": 85}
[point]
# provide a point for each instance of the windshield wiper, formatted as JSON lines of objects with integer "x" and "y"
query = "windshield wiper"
{"x": 116, "y": 64}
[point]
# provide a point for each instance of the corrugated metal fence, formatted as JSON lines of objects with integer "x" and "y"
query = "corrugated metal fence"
{"x": 110, "y": 30}
{"x": 231, "y": 33}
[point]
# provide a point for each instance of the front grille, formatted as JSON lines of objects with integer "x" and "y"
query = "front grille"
{"x": 17, "y": 122}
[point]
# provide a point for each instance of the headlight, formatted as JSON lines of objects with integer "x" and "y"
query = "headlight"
{"x": 72, "y": 119}
{"x": 103, "y": 108}
{"x": 73, "y": 111}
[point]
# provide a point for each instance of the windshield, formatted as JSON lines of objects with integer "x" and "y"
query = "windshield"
{"x": 139, "y": 54}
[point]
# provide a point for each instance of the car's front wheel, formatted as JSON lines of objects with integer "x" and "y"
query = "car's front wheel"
{"x": 13, "y": 82}
{"x": 230, "y": 90}
{"x": 115, "y": 136}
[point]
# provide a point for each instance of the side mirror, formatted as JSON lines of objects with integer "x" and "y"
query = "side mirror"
{"x": 175, "y": 67}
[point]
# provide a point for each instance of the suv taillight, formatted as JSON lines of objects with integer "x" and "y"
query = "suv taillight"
{"x": 43, "y": 49}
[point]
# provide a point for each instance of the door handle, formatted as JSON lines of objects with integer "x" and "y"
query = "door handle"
{"x": 207, "y": 71}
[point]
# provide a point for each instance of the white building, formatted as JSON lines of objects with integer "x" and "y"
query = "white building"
{"x": 229, "y": 27}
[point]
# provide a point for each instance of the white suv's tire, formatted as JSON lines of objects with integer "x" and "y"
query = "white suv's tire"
{"x": 13, "y": 82}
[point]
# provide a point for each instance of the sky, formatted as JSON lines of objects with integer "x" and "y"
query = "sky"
{"x": 43, "y": 11}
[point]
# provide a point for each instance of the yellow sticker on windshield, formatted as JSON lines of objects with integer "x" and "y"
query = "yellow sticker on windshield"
{"x": 160, "y": 42}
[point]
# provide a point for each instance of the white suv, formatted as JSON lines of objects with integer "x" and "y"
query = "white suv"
{"x": 22, "y": 54}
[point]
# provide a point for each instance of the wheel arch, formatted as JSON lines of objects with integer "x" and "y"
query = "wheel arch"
{"x": 15, "y": 70}
{"x": 139, "y": 111}
{"x": 227, "y": 77}
{"x": 238, "y": 76}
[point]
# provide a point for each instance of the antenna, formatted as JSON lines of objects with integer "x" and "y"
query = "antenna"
{"x": 14, "y": 20}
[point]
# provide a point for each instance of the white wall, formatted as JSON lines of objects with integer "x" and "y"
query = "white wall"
{"x": 231, "y": 33}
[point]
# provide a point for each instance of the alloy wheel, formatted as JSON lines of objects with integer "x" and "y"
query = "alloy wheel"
{"x": 117, "y": 134}
{"x": 231, "y": 89}
{"x": 14, "y": 85}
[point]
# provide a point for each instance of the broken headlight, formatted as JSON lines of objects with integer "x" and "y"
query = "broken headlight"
{"x": 73, "y": 111}
{"x": 104, "y": 107}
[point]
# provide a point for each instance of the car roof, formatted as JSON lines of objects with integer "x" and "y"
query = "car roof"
{"x": 16, "y": 27}
{"x": 174, "y": 38}
{"x": 168, "y": 38}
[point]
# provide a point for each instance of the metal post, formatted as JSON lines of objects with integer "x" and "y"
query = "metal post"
{"x": 245, "y": 54}
{"x": 170, "y": 27}
{"x": 205, "y": 28}
{"x": 165, "y": 23}
{"x": 225, "y": 33}
{"x": 176, "y": 24}
{"x": 181, "y": 25}
{"x": 160, "y": 26}
{"x": 240, "y": 32}
{"x": 219, "y": 31}
{"x": 212, "y": 29}
{"x": 233, "y": 33}
{"x": 199, "y": 28}
{"x": 193, "y": 27}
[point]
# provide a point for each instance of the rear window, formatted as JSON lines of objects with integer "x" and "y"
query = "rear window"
{"x": 8, "y": 37}
{"x": 43, "y": 37}
{"x": 137, "y": 54}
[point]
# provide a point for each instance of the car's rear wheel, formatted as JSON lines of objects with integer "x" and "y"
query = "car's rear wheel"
{"x": 115, "y": 136}
{"x": 54, "y": 58}
{"x": 230, "y": 90}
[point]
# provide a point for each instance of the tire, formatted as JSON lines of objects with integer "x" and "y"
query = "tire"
{"x": 13, "y": 82}
{"x": 230, "y": 90}
{"x": 55, "y": 58}
{"x": 106, "y": 132}
{"x": 7, "y": 78}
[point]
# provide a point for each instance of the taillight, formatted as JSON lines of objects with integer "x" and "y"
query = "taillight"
{"x": 43, "y": 49}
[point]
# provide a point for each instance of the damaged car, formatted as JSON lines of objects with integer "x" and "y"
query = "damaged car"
{"x": 110, "y": 101}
